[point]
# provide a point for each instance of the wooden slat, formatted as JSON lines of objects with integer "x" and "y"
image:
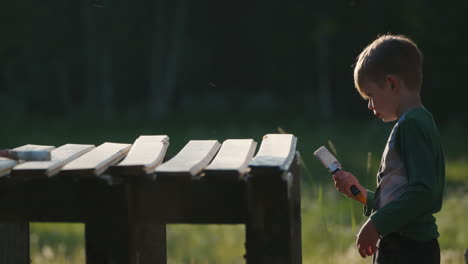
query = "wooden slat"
{"x": 6, "y": 165}
{"x": 189, "y": 161}
{"x": 96, "y": 161}
{"x": 232, "y": 159}
{"x": 146, "y": 153}
{"x": 32, "y": 152}
{"x": 276, "y": 153}
{"x": 59, "y": 157}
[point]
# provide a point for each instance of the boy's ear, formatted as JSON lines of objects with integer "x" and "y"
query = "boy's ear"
{"x": 393, "y": 81}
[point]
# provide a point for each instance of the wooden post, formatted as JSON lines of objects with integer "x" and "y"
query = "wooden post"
{"x": 273, "y": 228}
{"x": 149, "y": 243}
{"x": 118, "y": 238}
{"x": 14, "y": 243}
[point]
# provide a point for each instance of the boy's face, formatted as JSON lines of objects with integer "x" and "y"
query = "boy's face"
{"x": 383, "y": 100}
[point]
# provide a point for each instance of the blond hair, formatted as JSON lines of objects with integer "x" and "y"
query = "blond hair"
{"x": 389, "y": 54}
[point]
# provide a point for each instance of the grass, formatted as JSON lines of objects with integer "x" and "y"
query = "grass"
{"x": 57, "y": 243}
{"x": 330, "y": 221}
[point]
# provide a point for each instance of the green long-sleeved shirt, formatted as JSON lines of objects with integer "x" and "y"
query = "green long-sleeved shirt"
{"x": 417, "y": 143}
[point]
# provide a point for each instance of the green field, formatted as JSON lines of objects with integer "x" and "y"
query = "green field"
{"x": 330, "y": 221}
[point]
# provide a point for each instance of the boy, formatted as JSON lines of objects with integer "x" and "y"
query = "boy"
{"x": 411, "y": 177}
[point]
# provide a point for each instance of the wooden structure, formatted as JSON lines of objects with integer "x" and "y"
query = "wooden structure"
{"x": 126, "y": 194}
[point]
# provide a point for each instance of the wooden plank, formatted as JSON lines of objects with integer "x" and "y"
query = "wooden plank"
{"x": 189, "y": 161}
{"x": 6, "y": 165}
{"x": 275, "y": 155}
{"x": 196, "y": 201}
{"x": 32, "y": 152}
{"x": 146, "y": 153}
{"x": 96, "y": 161}
{"x": 58, "y": 200}
{"x": 232, "y": 159}
{"x": 59, "y": 157}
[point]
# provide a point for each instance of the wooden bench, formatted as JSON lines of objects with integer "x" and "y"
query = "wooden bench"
{"x": 126, "y": 194}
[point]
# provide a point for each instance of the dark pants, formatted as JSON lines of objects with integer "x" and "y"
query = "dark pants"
{"x": 395, "y": 248}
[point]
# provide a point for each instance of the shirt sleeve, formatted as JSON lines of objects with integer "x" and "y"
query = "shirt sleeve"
{"x": 370, "y": 204}
{"x": 416, "y": 153}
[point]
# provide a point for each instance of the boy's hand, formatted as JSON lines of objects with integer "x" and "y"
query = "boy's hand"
{"x": 344, "y": 180}
{"x": 367, "y": 239}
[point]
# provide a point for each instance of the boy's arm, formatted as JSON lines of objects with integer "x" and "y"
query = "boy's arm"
{"x": 418, "y": 198}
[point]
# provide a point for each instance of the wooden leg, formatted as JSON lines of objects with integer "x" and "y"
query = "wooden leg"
{"x": 273, "y": 228}
{"x": 150, "y": 244}
{"x": 14, "y": 243}
{"x": 115, "y": 236}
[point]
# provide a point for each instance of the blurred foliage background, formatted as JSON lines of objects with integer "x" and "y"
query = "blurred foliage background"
{"x": 159, "y": 58}
{"x": 76, "y": 72}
